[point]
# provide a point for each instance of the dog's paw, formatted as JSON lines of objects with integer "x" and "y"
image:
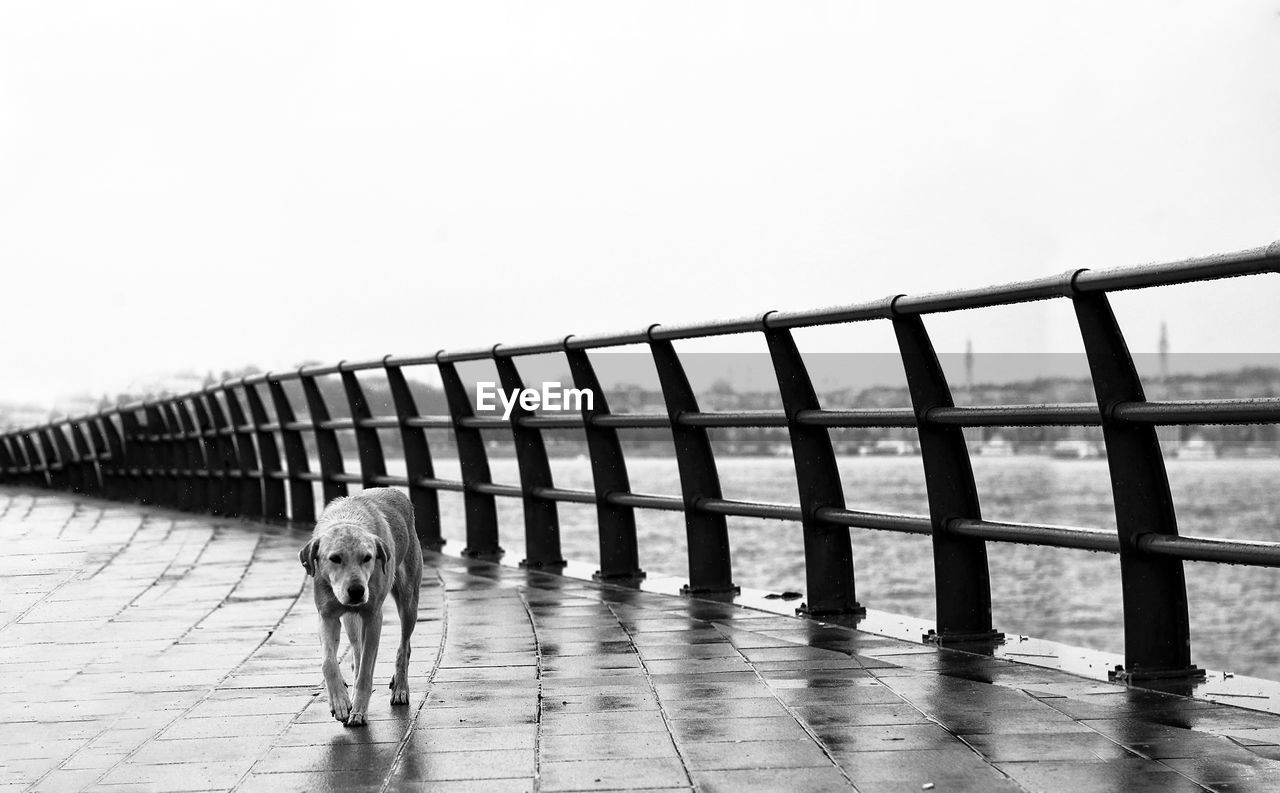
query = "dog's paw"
{"x": 340, "y": 704}
{"x": 356, "y": 719}
{"x": 400, "y": 696}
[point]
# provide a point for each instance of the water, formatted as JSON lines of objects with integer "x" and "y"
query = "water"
{"x": 1064, "y": 595}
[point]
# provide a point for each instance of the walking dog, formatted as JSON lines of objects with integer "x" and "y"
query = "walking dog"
{"x": 363, "y": 548}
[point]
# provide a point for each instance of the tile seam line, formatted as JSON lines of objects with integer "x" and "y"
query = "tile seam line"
{"x": 648, "y": 676}
{"x": 537, "y": 733}
{"x": 790, "y": 712}
{"x": 426, "y": 696}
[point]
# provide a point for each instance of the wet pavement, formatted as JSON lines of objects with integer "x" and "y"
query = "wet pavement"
{"x": 147, "y": 650}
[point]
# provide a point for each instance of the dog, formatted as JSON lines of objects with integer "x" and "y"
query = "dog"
{"x": 364, "y": 547}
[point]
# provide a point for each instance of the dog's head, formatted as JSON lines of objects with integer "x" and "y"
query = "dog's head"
{"x": 346, "y": 557}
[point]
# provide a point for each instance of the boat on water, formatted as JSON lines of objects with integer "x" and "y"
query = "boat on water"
{"x": 1076, "y": 449}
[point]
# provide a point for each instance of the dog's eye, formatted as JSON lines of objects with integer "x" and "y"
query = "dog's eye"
{"x": 336, "y": 559}
{"x": 367, "y": 558}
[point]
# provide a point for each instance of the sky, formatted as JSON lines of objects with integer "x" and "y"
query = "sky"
{"x": 200, "y": 186}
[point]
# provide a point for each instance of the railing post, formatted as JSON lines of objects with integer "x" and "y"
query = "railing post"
{"x": 8, "y": 468}
{"x": 214, "y": 458}
{"x": 250, "y": 485}
{"x": 180, "y": 456}
{"x": 90, "y": 476}
{"x": 373, "y": 464}
{"x": 961, "y": 578}
{"x": 707, "y": 533}
{"x": 39, "y": 470}
{"x": 417, "y": 460}
{"x": 482, "y": 513}
{"x": 107, "y": 440}
{"x": 302, "y": 496}
{"x": 828, "y": 553}
{"x": 327, "y": 449}
{"x": 134, "y": 449}
{"x": 541, "y": 519}
{"x": 160, "y": 457}
{"x": 619, "y": 557}
{"x": 1157, "y": 636}
{"x": 67, "y": 457}
{"x": 59, "y": 475}
{"x": 198, "y": 454}
{"x": 273, "y": 503}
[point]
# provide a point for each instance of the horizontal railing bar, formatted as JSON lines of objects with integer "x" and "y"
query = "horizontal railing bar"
{"x": 553, "y": 422}
{"x": 985, "y": 297}
{"x": 535, "y": 348}
{"x": 429, "y": 422}
{"x": 633, "y": 421}
{"x": 496, "y": 489}
{"x": 1063, "y": 415}
{"x": 749, "y": 509}
{"x": 1206, "y": 268}
{"x": 357, "y": 366}
{"x": 881, "y": 521}
{"x": 441, "y": 484}
{"x": 1204, "y": 411}
{"x": 601, "y": 340}
{"x": 723, "y": 327}
{"x": 1206, "y": 549}
{"x": 319, "y": 371}
{"x": 564, "y": 494}
{"x": 484, "y": 423}
{"x": 873, "y": 417}
{"x": 646, "y": 501}
{"x": 735, "y": 418}
{"x": 832, "y": 315}
{"x": 1033, "y": 534}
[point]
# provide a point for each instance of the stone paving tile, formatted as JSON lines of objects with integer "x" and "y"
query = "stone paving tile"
{"x": 147, "y": 650}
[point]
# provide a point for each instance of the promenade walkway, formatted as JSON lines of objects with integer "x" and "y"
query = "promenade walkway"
{"x": 142, "y": 649}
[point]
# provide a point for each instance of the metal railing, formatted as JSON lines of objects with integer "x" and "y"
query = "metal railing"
{"x": 218, "y": 450}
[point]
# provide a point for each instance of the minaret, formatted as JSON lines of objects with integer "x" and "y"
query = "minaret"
{"x": 968, "y": 365}
{"x": 1164, "y": 352}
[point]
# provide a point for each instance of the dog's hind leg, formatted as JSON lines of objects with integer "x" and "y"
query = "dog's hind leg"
{"x": 370, "y": 633}
{"x": 406, "y": 598}
{"x": 339, "y": 700}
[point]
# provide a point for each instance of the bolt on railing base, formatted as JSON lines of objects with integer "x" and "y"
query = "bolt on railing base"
{"x": 1140, "y": 675}
{"x": 556, "y": 564}
{"x": 620, "y": 578}
{"x": 732, "y": 589}
{"x": 952, "y": 639}
{"x": 856, "y": 610}
{"x": 488, "y": 556}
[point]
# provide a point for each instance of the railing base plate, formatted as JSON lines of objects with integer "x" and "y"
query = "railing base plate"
{"x": 856, "y": 610}
{"x": 732, "y": 589}
{"x": 619, "y": 578}
{"x": 952, "y": 639}
{"x": 1140, "y": 675}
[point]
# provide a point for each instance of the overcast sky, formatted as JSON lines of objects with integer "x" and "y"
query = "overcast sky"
{"x": 206, "y": 185}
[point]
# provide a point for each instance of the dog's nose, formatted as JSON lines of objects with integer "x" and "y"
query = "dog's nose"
{"x": 355, "y": 593}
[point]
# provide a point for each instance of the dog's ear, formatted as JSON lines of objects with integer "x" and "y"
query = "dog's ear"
{"x": 309, "y": 554}
{"x": 384, "y": 553}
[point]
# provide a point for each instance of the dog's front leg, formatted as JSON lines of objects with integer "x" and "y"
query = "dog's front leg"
{"x": 339, "y": 700}
{"x": 371, "y": 632}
